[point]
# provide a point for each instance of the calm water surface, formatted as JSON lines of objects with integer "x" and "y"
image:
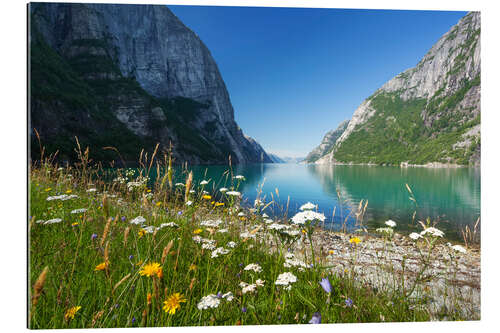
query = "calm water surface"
{"x": 450, "y": 196}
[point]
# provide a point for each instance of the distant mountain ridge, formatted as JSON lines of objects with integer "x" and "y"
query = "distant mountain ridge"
{"x": 427, "y": 115}
{"x": 327, "y": 143}
{"x": 128, "y": 76}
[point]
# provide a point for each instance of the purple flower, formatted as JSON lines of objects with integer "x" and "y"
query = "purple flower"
{"x": 133, "y": 320}
{"x": 179, "y": 213}
{"x": 348, "y": 302}
{"x": 130, "y": 257}
{"x": 219, "y": 295}
{"x": 94, "y": 236}
{"x": 325, "y": 283}
{"x": 241, "y": 264}
{"x": 123, "y": 218}
{"x": 244, "y": 309}
{"x": 316, "y": 318}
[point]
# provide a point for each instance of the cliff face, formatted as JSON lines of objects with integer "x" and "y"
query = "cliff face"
{"x": 429, "y": 113}
{"x": 327, "y": 143}
{"x": 156, "y": 77}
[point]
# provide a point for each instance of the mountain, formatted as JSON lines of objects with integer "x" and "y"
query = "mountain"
{"x": 327, "y": 143}
{"x": 429, "y": 114}
{"x": 276, "y": 158}
{"x": 128, "y": 76}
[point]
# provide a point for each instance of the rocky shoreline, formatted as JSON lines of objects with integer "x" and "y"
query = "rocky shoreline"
{"x": 451, "y": 279}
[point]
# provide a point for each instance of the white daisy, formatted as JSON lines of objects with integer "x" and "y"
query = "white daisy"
{"x": 285, "y": 279}
{"x": 79, "y": 211}
{"x": 210, "y": 301}
{"x": 138, "y": 220}
{"x": 253, "y": 267}
{"x": 307, "y": 206}
{"x": 390, "y": 223}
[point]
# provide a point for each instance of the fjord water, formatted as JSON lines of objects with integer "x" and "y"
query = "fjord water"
{"x": 450, "y": 196}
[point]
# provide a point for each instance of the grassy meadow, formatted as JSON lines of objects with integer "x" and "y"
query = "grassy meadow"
{"x": 125, "y": 252}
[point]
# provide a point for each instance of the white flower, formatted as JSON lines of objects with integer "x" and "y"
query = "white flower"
{"x": 62, "y": 197}
{"x": 307, "y": 215}
{"x": 138, "y": 220}
{"x": 219, "y": 251}
{"x": 60, "y": 169}
{"x": 459, "y": 248}
{"x": 293, "y": 262}
{"x": 246, "y": 288}
{"x": 223, "y": 231}
{"x": 433, "y": 231}
{"x": 268, "y": 221}
{"x": 228, "y": 296}
{"x": 292, "y": 233}
{"x": 247, "y": 234}
{"x": 192, "y": 191}
{"x": 179, "y": 184}
{"x": 57, "y": 220}
{"x": 203, "y": 182}
{"x": 415, "y": 236}
{"x": 90, "y": 190}
{"x": 307, "y": 206}
{"x": 386, "y": 230}
{"x": 260, "y": 283}
{"x": 150, "y": 229}
{"x": 168, "y": 224}
{"x": 258, "y": 203}
{"x": 241, "y": 214}
{"x": 253, "y": 267}
{"x": 223, "y": 189}
{"x": 265, "y": 215}
{"x": 390, "y": 223}
{"x": 79, "y": 211}
{"x": 232, "y": 244}
{"x": 210, "y": 301}
{"x": 234, "y": 193}
{"x": 239, "y": 177}
{"x": 197, "y": 239}
{"x": 211, "y": 223}
{"x": 208, "y": 246}
{"x": 277, "y": 226}
{"x": 285, "y": 279}
{"x": 189, "y": 203}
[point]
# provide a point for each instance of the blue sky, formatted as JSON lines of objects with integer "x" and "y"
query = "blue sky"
{"x": 295, "y": 73}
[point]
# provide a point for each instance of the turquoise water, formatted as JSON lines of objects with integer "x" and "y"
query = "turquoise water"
{"x": 450, "y": 196}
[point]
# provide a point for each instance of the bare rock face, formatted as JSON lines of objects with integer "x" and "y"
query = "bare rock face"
{"x": 444, "y": 88}
{"x": 151, "y": 46}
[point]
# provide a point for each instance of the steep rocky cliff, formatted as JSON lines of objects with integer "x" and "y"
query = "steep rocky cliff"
{"x": 427, "y": 114}
{"x": 129, "y": 76}
{"x": 327, "y": 143}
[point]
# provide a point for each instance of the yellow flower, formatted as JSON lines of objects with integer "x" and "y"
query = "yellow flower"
{"x": 207, "y": 197}
{"x": 355, "y": 240}
{"x": 192, "y": 267}
{"x": 197, "y": 231}
{"x": 70, "y": 313}
{"x": 74, "y": 224}
{"x": 158, "y": 204}
{"x": 139, "y": 263}
{"x": 68, "y": 191}
{"x": 304, "y": 231}
{"x": 141, "y": 233}
{"x": 217, "y": 204}
{"x": 48, "y": 189}
{"x": 331, "y": 252}
{"x": 149, "y": 190}
{"x": 102, "y": 266}
{"x": 173, "y": 303}
{"x": 151, "y": 269}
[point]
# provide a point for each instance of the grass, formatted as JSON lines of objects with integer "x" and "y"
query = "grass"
{"x": 70, "y": 291}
